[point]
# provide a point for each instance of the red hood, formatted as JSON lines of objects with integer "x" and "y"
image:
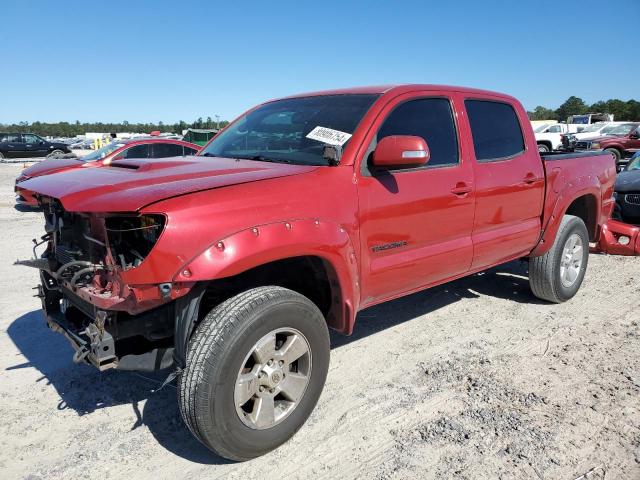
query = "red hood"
{"x": 51, "y": 165}
{"x": 129, "y": 185}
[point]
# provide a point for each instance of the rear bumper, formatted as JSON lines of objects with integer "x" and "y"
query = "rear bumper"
{"x": 617, "y": 238}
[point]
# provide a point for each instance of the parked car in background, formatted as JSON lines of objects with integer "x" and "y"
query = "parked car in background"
{"x": 28, "y": 145}
{"x": 82, "y": 144}
{"x": 596, "y": 130}
{"x": 118, "y": 150}
{"x": 549, "y": 137}
{"x": 627, "y": 192}
{"x": 312, "y": 208}
{"x": 621, "y": 142}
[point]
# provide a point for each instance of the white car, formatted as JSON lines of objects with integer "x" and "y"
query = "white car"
{"x": 549, "y": 137}
{"x": 596, "y": 130}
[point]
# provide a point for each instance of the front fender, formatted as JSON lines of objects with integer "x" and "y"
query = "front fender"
{"x": 262, "y": 244}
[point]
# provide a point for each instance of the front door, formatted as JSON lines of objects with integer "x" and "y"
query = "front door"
{"x": 35, "y": 146}
{"x": 415, "y": 224}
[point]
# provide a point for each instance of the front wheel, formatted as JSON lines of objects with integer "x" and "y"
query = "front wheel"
{"x": 256, "y": 366}
{"x": 542, "y": 148}
{"x": 56, "y": 153}
{"x": 557, "y": 275}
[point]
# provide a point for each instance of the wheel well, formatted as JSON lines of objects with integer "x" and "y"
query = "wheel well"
{"x": 547, "y": 143}
{"x": 310, "y": 276}
{"x": 586, "y": 207}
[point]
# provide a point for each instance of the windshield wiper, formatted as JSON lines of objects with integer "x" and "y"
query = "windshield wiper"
{"x": 262, "y": 158}
{"x": 207, "y": 154}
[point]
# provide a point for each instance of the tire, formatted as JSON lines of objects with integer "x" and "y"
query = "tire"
{"x": 617, "y": 154}
{"x": 55, "y": 153}
{"x": 218, "y": 354}
{"x": 542, "y": 148}
{"x": 552, "y": 276}
{"x": 1, "y": 156}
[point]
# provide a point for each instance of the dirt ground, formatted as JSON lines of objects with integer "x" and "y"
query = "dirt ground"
{"x": 475, "y": 380}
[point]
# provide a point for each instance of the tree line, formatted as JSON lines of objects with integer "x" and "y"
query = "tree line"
{"x": 621, "y": 110}
{"x": 66, "y": 129}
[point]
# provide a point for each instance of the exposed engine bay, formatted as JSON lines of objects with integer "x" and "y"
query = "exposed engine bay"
{"x": 84, "y": 296}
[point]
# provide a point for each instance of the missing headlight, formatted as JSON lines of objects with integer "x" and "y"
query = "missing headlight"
{"x": 131, "y": 238}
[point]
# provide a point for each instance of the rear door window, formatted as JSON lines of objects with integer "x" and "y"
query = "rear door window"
{"x": 495, "y": 130}
{"x": 13, "y": 138}
{"x": 137, "y": 151}
{"x": 163, "y": 150}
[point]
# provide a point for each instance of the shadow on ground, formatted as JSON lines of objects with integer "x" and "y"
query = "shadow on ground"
{"x": 85, "y": 390}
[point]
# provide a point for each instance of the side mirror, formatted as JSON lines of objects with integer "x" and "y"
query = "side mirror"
{"x": 401, "y": 151}
{"x": 634, "y": 135}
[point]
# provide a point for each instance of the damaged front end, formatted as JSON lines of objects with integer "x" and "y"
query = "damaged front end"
{"x": 86, "y": 293}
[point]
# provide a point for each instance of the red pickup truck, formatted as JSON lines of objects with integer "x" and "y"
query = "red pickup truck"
{"x": 231, "y": 265}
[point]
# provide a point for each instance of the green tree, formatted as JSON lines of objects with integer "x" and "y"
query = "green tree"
{"x": 572, "y": 106}
{"x": 542, "y": 113}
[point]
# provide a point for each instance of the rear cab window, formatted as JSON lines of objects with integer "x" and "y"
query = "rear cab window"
{"x": 495, "y": 130}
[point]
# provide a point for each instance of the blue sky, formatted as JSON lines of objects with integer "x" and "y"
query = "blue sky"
{"x": 166, "y": 60}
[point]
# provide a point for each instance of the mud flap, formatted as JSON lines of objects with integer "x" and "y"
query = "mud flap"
{"x": 618, "y": 238}
{"x": 186, "y": 315}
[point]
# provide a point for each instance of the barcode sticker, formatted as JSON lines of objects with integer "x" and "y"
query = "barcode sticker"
{"x": 329, "y": 135}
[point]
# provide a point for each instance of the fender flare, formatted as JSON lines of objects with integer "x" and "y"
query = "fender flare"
{"x": 263, "y": 244}
{"x": 585, "y": 185}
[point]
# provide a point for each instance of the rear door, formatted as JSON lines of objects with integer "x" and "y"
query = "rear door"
{"x": 14, "y": 146}
{"x": 415, "y": 224}
{"x": 509, "y": 182}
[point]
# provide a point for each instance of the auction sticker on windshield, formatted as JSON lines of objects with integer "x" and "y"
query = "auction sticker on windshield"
{"x": 329, "y": 135}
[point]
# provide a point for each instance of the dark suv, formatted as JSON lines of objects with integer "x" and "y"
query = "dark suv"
{"x": 24, "y": 145}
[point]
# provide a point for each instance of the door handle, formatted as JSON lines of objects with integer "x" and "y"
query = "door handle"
{"x": 529, "y": 179}
{"x": 461, "y": 189}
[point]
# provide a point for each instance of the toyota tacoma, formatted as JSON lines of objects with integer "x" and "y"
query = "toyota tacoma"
{"x": 230, "y": 266}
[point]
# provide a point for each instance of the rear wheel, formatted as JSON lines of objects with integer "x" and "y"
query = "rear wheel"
{"x": 557, "y": 275}
{"x": 1, "y": 156}
{"x": 56, "y": 153}
{"x": 542, "y": 148}
{"x": 256, "y": 366}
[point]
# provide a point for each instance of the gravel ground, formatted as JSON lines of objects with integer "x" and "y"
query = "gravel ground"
{"x": 476, "y": 379}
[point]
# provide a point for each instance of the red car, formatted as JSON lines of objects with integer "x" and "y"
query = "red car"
{"x": 310, "y": 209}
{"x": 621, "y": 142}
{"x": 117, "y": 150}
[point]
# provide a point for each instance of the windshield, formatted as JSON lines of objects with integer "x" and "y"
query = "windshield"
{"x": 594, "y": 127}
{"x": 619, "y": 130}
{"x": 277, "y": 131}
{"x": 102, "y": 152}
{"x": 540, "y": 128}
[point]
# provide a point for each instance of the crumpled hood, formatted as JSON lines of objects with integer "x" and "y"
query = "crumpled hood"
{"x": 628, "y": 181}
{"x": 128, "y": 185}
{"x": 51, "y": 165}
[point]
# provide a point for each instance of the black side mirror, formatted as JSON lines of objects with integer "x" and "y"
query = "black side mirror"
{"x": 635, "y": 134}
